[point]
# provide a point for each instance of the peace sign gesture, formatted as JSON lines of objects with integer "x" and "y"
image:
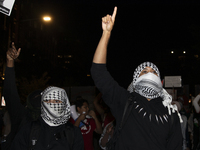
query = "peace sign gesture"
{"x": 108, "y": 21}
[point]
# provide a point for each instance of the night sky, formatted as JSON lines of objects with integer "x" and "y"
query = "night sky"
{"x": 143, "y": 31}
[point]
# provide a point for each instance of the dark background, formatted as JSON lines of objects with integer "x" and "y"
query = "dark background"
{"x": 143, "y": 31}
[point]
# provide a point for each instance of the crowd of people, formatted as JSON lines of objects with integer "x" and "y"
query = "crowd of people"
{"x": 140, "y": 117}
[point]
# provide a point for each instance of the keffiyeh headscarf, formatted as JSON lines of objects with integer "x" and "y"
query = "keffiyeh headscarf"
{"x": 149, "y": 85}
{"x": 55, "y": 114}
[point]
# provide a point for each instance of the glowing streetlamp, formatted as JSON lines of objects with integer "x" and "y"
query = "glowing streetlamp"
{"x": 28, "y": 23}
{"x": 47, "y": 18}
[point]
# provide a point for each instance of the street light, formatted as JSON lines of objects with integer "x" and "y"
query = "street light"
{"x": 47, "y": 18}
{"x": 44, "y": 18}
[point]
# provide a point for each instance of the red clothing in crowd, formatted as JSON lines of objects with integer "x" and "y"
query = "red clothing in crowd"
{"x": 87, "y": 132}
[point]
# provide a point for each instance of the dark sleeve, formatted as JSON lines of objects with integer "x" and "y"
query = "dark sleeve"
{"x": 21, "y": 140}
{"x": 13, "y": 104}
{"x": 112, "y": 93}
{"x": 175, "y": 141}
{"x": 78, "y": 143}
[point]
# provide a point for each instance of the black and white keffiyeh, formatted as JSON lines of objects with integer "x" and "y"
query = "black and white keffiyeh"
{"x": 55, "y": 114}
{"x": 138, "y": 70}
{"x": 149, "y": 85}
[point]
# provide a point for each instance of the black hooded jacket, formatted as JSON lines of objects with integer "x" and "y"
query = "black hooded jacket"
{"x": 48, "y": 138}
{"x": 148, "y": 126}
{"x": 19, "y": 114}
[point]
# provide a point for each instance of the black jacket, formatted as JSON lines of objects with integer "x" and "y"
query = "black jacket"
{"x": 148, "y": 126}
{"x": 15, "y": 109}
{"x": 47, "y": 138}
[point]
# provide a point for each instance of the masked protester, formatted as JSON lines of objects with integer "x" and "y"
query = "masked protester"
{"x": 51, "y": 130}
{"x": 153, "y": 122}
{"x": 34, "y": 105}
{"x": 55, "y": 107}
{"x": 19, "y": 114}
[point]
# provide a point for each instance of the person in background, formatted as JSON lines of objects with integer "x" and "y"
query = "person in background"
{"x": 153, "y": 123}
{"x": 103, "y": 113}
{"x": 196, "y": 120}
{"x": 90, "y": 123}
{"x": 107, "y": 134}
{"x": 184, "y": 124}
{"x": 190, "y": 127}
{"x": 195, "y": 103}
{"x": 103, "y": 110}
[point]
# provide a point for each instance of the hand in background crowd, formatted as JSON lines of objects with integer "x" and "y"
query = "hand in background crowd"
{"x": 109, "y": 129}
{"x": 92, "y": 114}
{"x": 98, "y": 97}
{"x": 82, "y": 116}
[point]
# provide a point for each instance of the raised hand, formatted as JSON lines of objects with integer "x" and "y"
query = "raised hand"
{"x": 82, "y": 116}
{"x": 12, "y": 52}
{"x": 109, "y": 129}
{"x": 98, "y": 98}
{"x": 92, "y": 114}
{"x": 108, "y": 21}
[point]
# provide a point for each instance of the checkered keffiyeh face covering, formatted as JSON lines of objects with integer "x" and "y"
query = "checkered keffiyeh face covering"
{"x": 149, "y": 85}
{"x": 137, "y": 72}
{"x": 55, "y": 114}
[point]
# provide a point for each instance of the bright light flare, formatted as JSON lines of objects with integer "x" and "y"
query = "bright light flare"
{"x": 47, "y": 18}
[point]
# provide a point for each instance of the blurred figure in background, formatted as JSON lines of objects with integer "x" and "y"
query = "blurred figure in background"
{"x": 196, "y": 119}
{"x": 107, "y": 134}
{"x": 104, "y": 114}
{"x": 184, "y": 125}
{"x": 103, "y": 110}
{"x": 195, "y": 103}
{"x": 90, "y": 123}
